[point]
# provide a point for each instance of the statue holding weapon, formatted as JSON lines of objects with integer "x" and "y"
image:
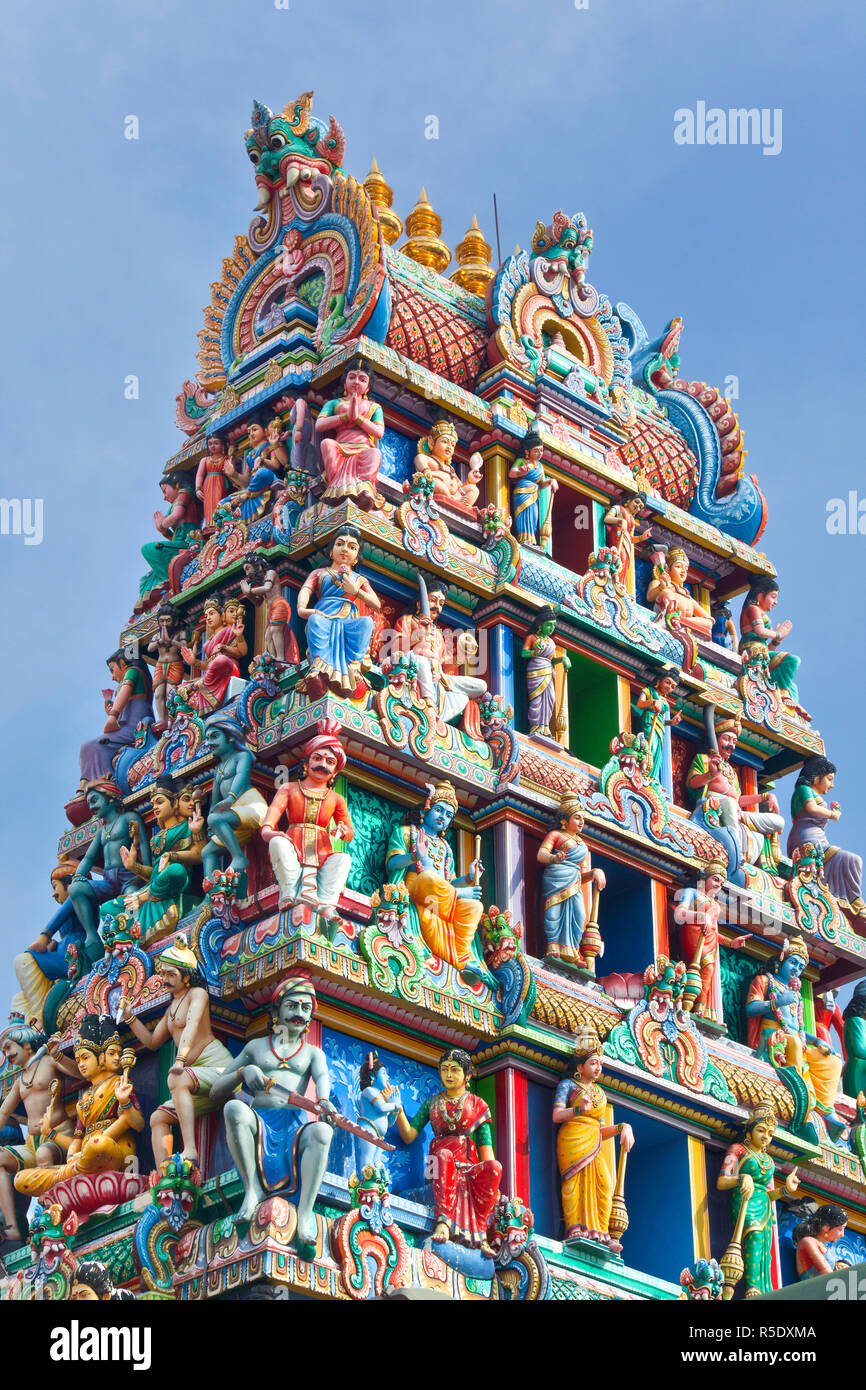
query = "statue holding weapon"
{"x": 419, "y": 635}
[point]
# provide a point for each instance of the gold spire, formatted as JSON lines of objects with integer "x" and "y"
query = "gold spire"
{"x": 381, "y": 196}
{"x": 424, "y": 244}
{"x": 474, "y": 271}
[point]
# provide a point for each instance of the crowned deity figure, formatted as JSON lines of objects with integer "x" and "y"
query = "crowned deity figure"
{"x": 621, "y": 533}
{"x": 223, "y": 646}
{"x": 117, "y": 830}
{"x": 654, "y": 702}
{"x": 774, "y": 1011}
{"x": 747, "y": 1173}
{"x": 278, "y": 1142}
{"x": 542, "y": 656}
{"x": 532, "y": 496}
{"x": 43, "y": 964}
{"x": 350, "y": 430}
{"x": 434, "y": 458}
{"x": 155, "y": 907}
{"x": 167, "y": 642}
{"x": 211, "y": 478}
{"x": 419, "y": 635}
{"x": 334, "y": 603}
{"x": 580, "y": 1111}
{"x": 465, "y": 1171}
{"x": 751, "y": 818}
{"x": 443, "y": 908}
{"x": 697, "y": 912}
{"x": 306, "y": 865}
{"x": 671, "y": 597}
{"x": 263, "y": 466}
{"x": 566, "y": 867}
{"x": 34, "y": 1086}
{"x": 200, "y": 1058}
{"x": 108, "y": 1113}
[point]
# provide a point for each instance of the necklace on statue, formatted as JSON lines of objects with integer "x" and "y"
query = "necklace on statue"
{"x": 291, "y": 1054}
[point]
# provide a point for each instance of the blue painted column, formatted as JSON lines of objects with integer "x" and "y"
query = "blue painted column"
{"x": 500, "y": 660}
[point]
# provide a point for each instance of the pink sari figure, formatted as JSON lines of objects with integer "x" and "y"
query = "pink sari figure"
{"x": 211, "y": 485}
{"x": 224, "y": 641}
{"x": 351, "y": 459}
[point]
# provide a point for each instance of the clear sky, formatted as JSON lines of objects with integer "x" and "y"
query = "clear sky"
{"x": 109, "y": 247}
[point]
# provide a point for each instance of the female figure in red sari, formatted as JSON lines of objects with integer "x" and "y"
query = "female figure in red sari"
{"x": 211, "y": 484}
{"x": 224, "y": 643}
{"x": 350, "y": 429}
{"x": 461, "y": 1162}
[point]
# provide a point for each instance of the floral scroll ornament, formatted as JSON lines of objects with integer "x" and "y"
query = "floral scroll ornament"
{"x": 368, "y": 1245}
{"x": 424, "y": 532}
{"x": 393, "y": 957}
{"x": 815, "y": 908}
{"x": 499, "y": 542}
{"x": 403, "y": 713}
{"x": 762, "y": 702}
{"x": 602, "y": 591}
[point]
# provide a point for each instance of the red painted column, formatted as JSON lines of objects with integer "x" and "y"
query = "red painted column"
{"x": 512, "y": 1132}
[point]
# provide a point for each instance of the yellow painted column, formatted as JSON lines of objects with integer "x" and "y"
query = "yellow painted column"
{"x": 623, "y": 695}
{"x": 496, "y": 465}
{"x": 698, "y": 1189}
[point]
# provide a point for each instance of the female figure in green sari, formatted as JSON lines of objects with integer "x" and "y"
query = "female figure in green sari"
{"x": 655, "y": 706}
{"x": 175, "y": 526}
{"x": 747, "y": 1173}
{"x": 156, "y": 906}
{"x": 756, "y": 630}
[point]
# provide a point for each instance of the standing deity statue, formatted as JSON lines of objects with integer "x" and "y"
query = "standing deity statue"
{"x": 532, "y": 496}
{"x": 306, "y": 865}
{"x": 774, "y": 1009}
{"x": 434, "y": 458}
{"x": 756, "y": 630}
{"x": 542, "y": 657}
{"x": 125, "y": 707}
{"x": 35, "y": 1088}
{"x": 117, "y": 830}
{"x": 338, "y": 632}
{"x": 747, "y": 1173}
{"x": 854, "y": 1036}
{"x": 566, "y": 864}
{"x": 810, "y": 816}
{"x": 201, "y": 1058}
{"x": 443, "y": 909}
{"x": 210, "y": 478}
{"x": 579, "y": 1109}
{"x": 621, "y": 533}
{"x": 350, "y": 430}
{"x": 237, "y": 809}
{"x": 108, "y": 1113}
{"x": 697, "y": 912}
{"x": 461, "y": 1161}
{"x": 224, "y": 645}
{"x": 378, "y": 1103}
{"x": 176, "y": 526}
{"x": 654, "y": 702}
{"x": 168, "y": 643}
{"x": 419, "y": 635}
{"x": 724, "y": 633}
{"x": 274, "y": 1141}
{"x": 261, "y": 584}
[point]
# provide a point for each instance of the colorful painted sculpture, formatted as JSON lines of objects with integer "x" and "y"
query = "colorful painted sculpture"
{"x": 168, "y": 643}
{"x": 567, "y": 865}
{"x": 125, "y": 707}
{"x": 117, "y": 830}
{"x": 757, "y": 630}
{"x": 36, "y": 1088}
{"x": 579, "y": 1109}
{"x": 828, "y": 1016}
{"x": 724, "y": 633}
{"x": 747, "y": 1173}
{"x": 349, "y": 430}
{"x": 532, "y": 496}
{"x": 211, "y": 484}
{"x": 620, "y": 529}
{"x": 201, "y": 1059}
{"x": 461, "y": 1162}
{"x": 237, "y": 809}
{"x": 261, "y": 584}
{"x": 672, "y": 598}
{"x": 542, "y": 656}
{"x": 855, "y": 1041}
{"x": 774, "y": 1004}
{"x": 306, "y": 865}
{"x": 448, "y": 691}
{"x": 263, "y": 465}
{"x": 435, "y": 452}
{"x": 378, "y": 1102}
{"x": 273, "y": 1141}
{"x": 224, "y": 645}
{"x": 176, "y": 526}
{"x": 812, "y": 1237}
{"x": 44, "y": 963}
{"x": 155, "y": 907}
{"x": 810, "y": 816}
{"x": 92, "y": 1283}
{"x": 109, "y": 1115}
{"x": 751, "y": 818}
{"x": 697, "y": 912}
{"x": 703, "y": 1282}
{"x": 446, "y": 909}
{"x": 654, "y": 702}
{"x": 332, "y": 602}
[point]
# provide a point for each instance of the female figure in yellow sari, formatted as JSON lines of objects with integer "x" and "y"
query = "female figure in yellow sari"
{"x": 579, "y": 1107}
{"x": 108, "y": 1113}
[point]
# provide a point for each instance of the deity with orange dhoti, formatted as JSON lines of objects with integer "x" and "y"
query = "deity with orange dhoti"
{"x": 443, "y": 909}
{"x": 306, "y": 866}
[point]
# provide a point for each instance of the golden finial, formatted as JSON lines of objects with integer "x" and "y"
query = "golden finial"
{"x": 474, "y": 271}
{"x": 381, "y": 196}
{"x": 424, "y": 244}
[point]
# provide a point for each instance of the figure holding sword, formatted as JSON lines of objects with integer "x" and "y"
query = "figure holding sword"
{"x": 281, "y": 1140}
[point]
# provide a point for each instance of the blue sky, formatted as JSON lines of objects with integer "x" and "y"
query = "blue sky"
{"x": 109, "y": 246}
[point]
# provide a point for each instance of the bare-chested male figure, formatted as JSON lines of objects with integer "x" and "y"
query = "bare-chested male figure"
{"x": 31, "y": 1090}
{"x": 200, "y": 1060}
